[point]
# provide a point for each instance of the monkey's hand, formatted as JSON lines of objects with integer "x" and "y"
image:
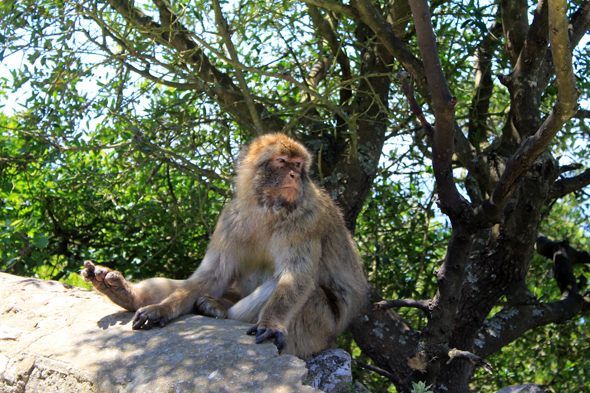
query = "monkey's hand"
{"x": 268, "y": 330}
{"x": 145, "y": 317}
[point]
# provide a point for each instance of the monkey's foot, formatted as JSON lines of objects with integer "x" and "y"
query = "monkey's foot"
{"x": 210, "y": 307}
{"x": 265, "y": 331}
{"x": 109, "y": 282}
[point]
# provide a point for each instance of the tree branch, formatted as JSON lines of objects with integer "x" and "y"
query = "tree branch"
{"x": 549, "y": 248}
{"x": 408, "y": 90}
{"x": 491, "y": 209}
{"x": 334, "y": 6}
{"x": 374, "y": 330}
{"x": 328, "y": 34}
{"x": 442, "y": 140}
{"x": 423, "y": 305}
{"x": 525, "y": 92}
{"x": 483, "y": 86}
{"x": 580, "y": 24}
{"x": 139, "y": 139}
{"x": 173, "y": 34}
{"x": 571, "y": 167}
{"x": 59, "y": 147}
{"x": 515, "y": 24}
{"x": 369, "y": 14}
{"x": 568, "y": 185}
{"x": 512, "y": 322}
{"x": 535, "y": 45}
{"x": 567, "y": 93}
{"x": 224, "y": 31}
{"x": 319, "y": 98}
{"x": 450, "y": 276}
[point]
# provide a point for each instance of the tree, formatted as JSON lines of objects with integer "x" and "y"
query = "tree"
{"x": 134, "y": 111}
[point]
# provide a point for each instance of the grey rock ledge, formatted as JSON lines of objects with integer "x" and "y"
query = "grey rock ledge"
{"x": 58, "y": 338}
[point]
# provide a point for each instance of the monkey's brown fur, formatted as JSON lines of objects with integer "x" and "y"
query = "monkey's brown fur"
{"x": 282, "y": 244}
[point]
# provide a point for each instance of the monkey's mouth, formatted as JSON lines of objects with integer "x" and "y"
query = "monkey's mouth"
{"x": 288, "y": 193}
{"x": 281, "y": 197}
{"x": 289, "y": 188}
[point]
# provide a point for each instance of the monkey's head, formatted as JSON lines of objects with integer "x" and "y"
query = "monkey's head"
{"x": 273, "y": 170}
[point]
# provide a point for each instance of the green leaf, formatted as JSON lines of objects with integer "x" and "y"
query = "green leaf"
{"x": 40, "y": 241}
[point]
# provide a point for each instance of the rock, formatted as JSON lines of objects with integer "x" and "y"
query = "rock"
{"x": 330, "y": 371}
{"x": 528, "y": 388}
{"x": 58, "y": 338}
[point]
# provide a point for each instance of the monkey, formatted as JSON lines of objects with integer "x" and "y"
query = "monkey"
{"x": 280, "y": 258}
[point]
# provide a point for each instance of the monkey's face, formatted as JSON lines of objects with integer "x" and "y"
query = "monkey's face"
{"x": 278, "y": 182}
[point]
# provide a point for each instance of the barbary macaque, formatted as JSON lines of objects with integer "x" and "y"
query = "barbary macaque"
{"x": 280, "y": 258}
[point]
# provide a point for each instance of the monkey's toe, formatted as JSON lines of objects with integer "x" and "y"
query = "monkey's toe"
{"x": 114, "y": 279}
{"x": 264, "y": 333}
{"x": 93, "y": 273}
{"x": 88, "y": 265}
{"x": 88, "y": 272}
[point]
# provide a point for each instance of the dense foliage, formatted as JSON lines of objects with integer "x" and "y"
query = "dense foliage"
{"x": 122, "y": 121}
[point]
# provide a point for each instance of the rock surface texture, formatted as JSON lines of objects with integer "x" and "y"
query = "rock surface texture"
{"x": 528, "y": 388}
{"x": 58, "y": 338}
{"x": 330, "y": 371}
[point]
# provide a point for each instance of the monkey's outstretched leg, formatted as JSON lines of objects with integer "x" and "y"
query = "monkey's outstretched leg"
{"x": 125, "y": 294}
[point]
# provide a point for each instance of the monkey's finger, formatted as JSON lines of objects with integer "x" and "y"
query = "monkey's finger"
{"x": 264, "y": 334}
{"x": 138, "y": 320}
{"x": 148, "y": 325}
{"x": 281, "y": 342}
{"x": 252, "y": 331}
{"x": 163, "y": 322}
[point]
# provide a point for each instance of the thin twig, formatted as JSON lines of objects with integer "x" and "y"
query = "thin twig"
{"x": 394, "y": 378}
{"x": 408, "y": 89}
{"x": 225, "y": 34}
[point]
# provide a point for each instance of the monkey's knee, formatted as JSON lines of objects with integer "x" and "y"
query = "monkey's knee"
{"x": 309, "y": 336}
{"x": 313, "y": 330}
{"x": 210, "y": 307}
